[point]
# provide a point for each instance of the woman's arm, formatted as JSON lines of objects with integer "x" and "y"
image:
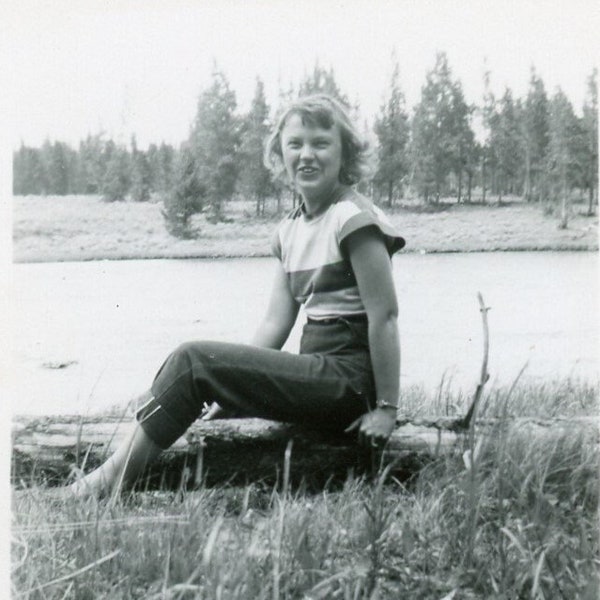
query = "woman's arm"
{"x": 273, "y": 330}
{"x": 373, "y": 271}
{"x": 281, "y": 314}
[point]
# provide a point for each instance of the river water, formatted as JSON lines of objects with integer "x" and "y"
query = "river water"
{"x": 90, "y": 335}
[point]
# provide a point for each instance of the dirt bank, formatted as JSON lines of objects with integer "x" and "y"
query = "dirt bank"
{"x": 71, "y": 228}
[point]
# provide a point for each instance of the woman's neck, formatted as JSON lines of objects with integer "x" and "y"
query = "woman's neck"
{"x": 317, "y": 205}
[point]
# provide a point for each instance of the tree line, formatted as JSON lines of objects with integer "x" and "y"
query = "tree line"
{"x": 536, "y": 147}
{"x": 98, "y": 166}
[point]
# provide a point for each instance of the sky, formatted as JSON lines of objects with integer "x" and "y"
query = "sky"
{"x": 69, "y": 68}
{"x": 121, "y": 66}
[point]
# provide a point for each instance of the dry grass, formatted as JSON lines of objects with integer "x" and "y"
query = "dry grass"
{"x": 519, "y": 522}
{"x": 85, "y": 228}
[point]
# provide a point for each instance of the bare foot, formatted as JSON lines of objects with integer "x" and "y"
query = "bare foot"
{"x": 55, "y": 495}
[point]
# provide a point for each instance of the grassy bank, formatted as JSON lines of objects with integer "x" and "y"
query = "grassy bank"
{"x": 85, "y": 228}
{"x": 521, "y": 522}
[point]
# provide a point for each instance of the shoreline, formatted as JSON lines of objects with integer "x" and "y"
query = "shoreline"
{"x": 200, "y": 256}
{"x": 84, "y": 228}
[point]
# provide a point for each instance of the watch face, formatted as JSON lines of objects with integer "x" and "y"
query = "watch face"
{"x": 386, "y": 404}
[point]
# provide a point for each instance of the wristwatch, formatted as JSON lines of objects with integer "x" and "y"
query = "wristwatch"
{"x": 386, "y": 404}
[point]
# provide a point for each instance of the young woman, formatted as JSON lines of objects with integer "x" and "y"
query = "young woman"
{"x": 333, "y": 256}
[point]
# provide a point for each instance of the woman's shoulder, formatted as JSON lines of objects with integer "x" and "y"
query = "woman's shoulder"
{"x": 351, "y": 202}
{"x": 286, "y": 224}
{"x": 356, "y": 211}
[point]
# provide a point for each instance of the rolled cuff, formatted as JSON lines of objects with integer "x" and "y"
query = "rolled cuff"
{"x": 158, "y": 424}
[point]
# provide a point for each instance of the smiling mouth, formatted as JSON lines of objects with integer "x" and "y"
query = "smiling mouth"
{"x": 307, "y": 170}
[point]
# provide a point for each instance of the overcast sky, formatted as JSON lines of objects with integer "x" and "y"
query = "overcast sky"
{"x": 82, "y": 66}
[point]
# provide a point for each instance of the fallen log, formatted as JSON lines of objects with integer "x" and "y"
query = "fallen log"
{"x": 48, "y": 450}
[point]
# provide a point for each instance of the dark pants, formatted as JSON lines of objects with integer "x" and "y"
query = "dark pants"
{"x": 327, "y": 386}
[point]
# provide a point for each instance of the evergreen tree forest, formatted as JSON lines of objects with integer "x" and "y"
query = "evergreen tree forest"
{"x": 538, "y": 147}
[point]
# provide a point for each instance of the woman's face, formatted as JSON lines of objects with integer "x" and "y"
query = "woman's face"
{"x": 312, "y": 157}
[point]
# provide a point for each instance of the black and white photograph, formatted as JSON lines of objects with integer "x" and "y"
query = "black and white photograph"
{"x": 300, "y": 299}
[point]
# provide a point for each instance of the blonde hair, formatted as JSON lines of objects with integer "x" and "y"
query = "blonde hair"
{"x": 323, "y": 111}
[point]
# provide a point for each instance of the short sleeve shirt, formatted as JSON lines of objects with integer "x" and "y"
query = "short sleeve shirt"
{"x": 312, "y": 253}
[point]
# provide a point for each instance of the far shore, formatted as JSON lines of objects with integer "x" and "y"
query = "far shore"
{"x": 78, "y": 228}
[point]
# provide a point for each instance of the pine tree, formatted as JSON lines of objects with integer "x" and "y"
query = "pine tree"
{"x": 214, "y": 141}
{"x": 563, "y": 130}
{"x": 392, "y": 131}
{"x": 505, "y": 144}
{"x": 117, "y": 178}
{"x": 160, "y": 161}
{"x": 39, "y": 173}
{"x": 20, "y": 168}
{"x": 285, "y": 96}
{"x": 462, "y": 136}
{"x": 57, "y": 167}
{"x": 75, "y": 183}
{"x": 471, "y": 166}
{"x": 166, "y": 157}
{"x": 489, "y": 117}
{"x": 153, "y": 164}
{"x": 322, "y": 81}
{"x": 441, "y": 131}
{"x": 535, "y": 137}
{"x": 255, "y": 178}
{"x": 186, "y": 198}
{"x": 92, "y": 164}
{"x": 590, "y": 129}
{"x": 141, "y": 175}
{"x": 54, "y": 159}
{"x": 28, "y": 171}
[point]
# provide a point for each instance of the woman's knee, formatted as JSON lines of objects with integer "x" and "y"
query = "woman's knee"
{"x": 186, "y": 376}
{"x": 185, "y": 360}
{"x": 194, "y": 353}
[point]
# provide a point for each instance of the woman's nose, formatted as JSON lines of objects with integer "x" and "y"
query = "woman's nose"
{"x": 306, "y": 152}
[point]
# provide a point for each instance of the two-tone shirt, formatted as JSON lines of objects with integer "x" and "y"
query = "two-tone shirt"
{"x": 312, "y": 253}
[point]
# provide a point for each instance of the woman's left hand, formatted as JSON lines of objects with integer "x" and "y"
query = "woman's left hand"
{"x": 374, "y": 427}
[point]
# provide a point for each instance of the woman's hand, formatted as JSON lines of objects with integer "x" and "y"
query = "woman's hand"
{"x": 374, "y": 427}
{"x": 215, "y": 411}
